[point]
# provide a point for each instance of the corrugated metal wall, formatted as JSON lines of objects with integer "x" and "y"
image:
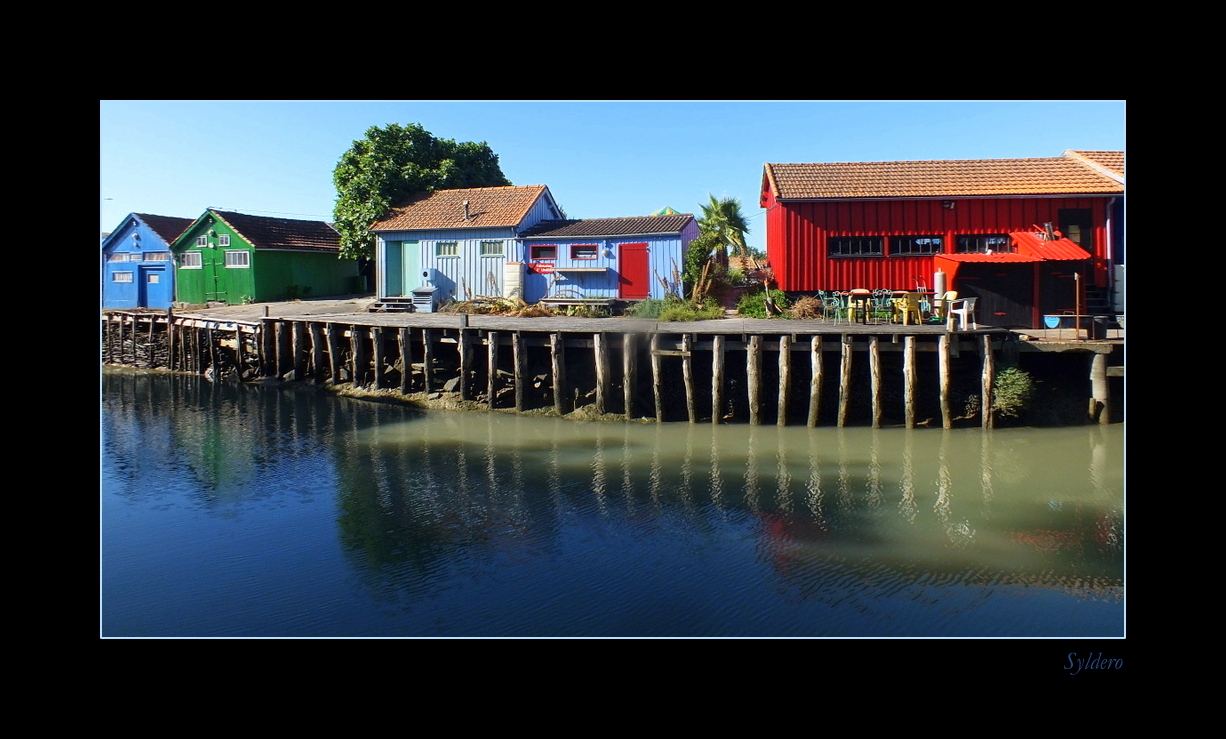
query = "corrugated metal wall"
{"x": 797, "y": 233}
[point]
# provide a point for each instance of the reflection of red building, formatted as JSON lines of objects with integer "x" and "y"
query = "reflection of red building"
{"x": 840, "y": 226}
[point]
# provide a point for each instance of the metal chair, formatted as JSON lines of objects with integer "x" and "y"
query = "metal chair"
{"x": 964, "y": 310}
{"x": 883, "y": 302}
{"x": 834, "y": 308}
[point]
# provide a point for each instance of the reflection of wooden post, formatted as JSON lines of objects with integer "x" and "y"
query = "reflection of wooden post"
{"x": 754, "y": 370}
{"x": 717, "y": 378}
{"x": 491, "y": 341}
{"x": 785, "y": 377}
{"x": 845, "y": 379}
{"x": 908, "y": 371}
{"x": 815, "y": 382}
{"x": 989, "y": 377}
{"x": 520, "y": 358}
{"x": 655, "y": 377}
{"x": 557, "y": 350}
{"x": 629, "y": 374}
{"x": 687, "y": 374}
{"x": 874, "y": 367}
{"x": 943, "y": 358}
{"x": 1098, "y": 387}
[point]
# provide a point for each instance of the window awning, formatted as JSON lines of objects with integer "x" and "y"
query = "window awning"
{"x": 1035, "y": 243}
{"x": 1001, "y": 258}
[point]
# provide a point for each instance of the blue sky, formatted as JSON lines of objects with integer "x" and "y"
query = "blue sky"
{"x": 600, "y": 159}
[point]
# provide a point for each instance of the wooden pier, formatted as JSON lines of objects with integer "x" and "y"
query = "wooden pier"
{"x": 733, "y": 370}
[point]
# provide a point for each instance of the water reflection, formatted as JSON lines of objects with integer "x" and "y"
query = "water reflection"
{"x": 489, "y": 523}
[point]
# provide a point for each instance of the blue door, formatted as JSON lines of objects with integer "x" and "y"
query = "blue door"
{"x": 156, "y": 287}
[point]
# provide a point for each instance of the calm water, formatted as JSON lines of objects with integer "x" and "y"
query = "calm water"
{"x": 258, "y": 511}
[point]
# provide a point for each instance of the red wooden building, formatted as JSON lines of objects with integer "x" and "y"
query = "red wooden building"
{"x": 982, "y": 224}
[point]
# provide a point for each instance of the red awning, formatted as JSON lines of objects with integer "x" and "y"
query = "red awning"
{"x": 1001, "y": 258}
{"x": 1035, "y": 243}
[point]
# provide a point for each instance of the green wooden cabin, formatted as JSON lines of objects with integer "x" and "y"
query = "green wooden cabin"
{"x": 234, "y": 258}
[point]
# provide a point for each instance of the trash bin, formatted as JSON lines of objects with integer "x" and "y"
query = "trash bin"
{"x": 1098, "y": 328}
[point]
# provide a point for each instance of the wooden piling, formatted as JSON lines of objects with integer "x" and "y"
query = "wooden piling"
{"x": 357, "y": 340}
{"x": 717, "y": 378}
{"x": 908, "y": 380}
{"x": 491, "y": 341}
{"x": 943, "y": 361}
{"x": 211, "y": 338}
{"x": 687, "y": 375}
{"x": 171, "y": 335}
{"x": 406, "y": 360}
{"x": 655, "y": 378}
{"x": 520, "y": 357}
{"x": 874, "y": 368}
{"x": 629, "y": 374}
{"x": 754, "y": 371}
{"x": 845, "y": 379}
{"x": 601, "y": 349}
{"x": 376, "y": 341}
{"x": 785, "y": 377}
{"x": 427, "y": 360}
{"x": 466, "y": 362}
{"x": 334, "y": 354}
{"x": 1099, "y": 407}
{"x": 815, "y": 381}
{"x": 557, "y": 356}
{"x": 989, "y": 379}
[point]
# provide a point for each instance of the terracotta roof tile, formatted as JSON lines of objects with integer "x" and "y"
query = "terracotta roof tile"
{"x": 168, "y": 227}
{"x": 612, "y": 226}
{"x": 941, "y": 178}
{"x": 1111, "y": 161}
{"x": 263, "y": 232}
{"x": 488, "y": 207}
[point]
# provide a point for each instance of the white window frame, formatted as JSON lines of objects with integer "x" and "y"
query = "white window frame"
{"x": 202, "y": 241}
{"x": 500, "y": 246}
{"x": 223, "y": 240}
{"x": 191, "y": 260}
{"x": 235, "y": 254}
{"x": 452, "y": 249}
{"x": 123, "y": 277}
{"x": 157, "y": 256}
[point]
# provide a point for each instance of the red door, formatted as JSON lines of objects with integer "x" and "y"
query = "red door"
{"x": 634, "y": 281}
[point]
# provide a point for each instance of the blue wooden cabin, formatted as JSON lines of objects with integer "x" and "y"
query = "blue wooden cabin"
{"x": 605, "y": 259}
{"x": 137, "y": 269}
{"x": 455, "y": 245}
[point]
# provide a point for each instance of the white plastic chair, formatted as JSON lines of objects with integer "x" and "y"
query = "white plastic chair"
{"x": 964, "y": 310}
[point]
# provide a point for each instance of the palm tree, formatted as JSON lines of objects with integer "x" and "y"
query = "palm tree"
{"x": 723, "y": 220}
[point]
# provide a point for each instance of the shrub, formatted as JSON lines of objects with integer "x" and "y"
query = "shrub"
{"x": 675, "y": 309}
{"x": 753, "y": 304}
{"x": 1012, "y": 391}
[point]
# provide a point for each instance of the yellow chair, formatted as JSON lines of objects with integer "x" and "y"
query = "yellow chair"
{"x": 907, "y": 308}
{"x": 941, "y": 303}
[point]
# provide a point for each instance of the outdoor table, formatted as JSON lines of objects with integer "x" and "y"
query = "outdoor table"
{"x": 860, "y": 302}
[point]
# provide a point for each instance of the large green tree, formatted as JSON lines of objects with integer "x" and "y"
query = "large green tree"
{"x": 394, "y": 162}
